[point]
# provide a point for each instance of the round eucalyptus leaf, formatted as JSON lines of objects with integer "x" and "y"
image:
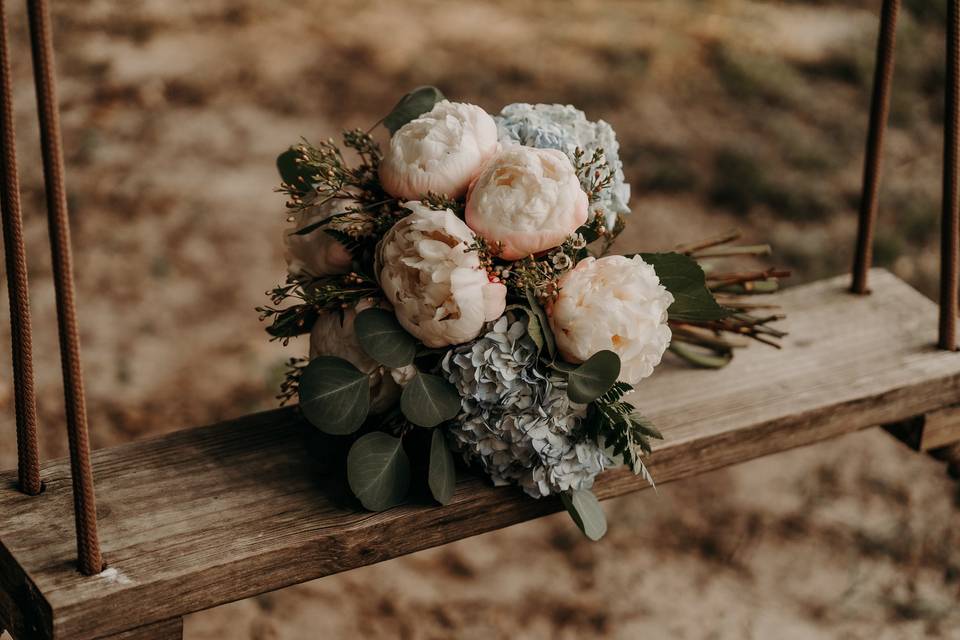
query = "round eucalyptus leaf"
{"x": 334, "y": 395}
{"x": 594, "y": 377}
{"x": 383, "y": 339}
{"x": 412, "y": 106}
{"x": 442, "y": 477}
{"x": 378, "y": 471}
{"x": 428, "y": 400}
{"x": 586, "y": 511}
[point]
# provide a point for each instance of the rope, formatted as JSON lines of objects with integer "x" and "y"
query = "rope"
{"x": 879, "y": 108}
{"x": 25, "y": 402}
{"x": 85, "y": 512}
{"x": 949, "y": 227}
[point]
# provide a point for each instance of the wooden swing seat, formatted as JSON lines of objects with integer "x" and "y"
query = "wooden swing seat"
{"x": 202, "y": 517}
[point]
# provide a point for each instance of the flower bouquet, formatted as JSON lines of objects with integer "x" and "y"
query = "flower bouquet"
{"x": 460, "y": 301}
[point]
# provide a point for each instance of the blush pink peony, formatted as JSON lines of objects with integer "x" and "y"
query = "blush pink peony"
{"x": 615, "y": 303}
{"x": 439, "y": 290}
{"x": 526, "y": 200}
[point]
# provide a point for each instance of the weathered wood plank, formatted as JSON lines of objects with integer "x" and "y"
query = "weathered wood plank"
{"x": 206, "y": 516}
{"x": 167, "y": 630}
{"x": 934, "y": 430}
{"x": 940, "y": 428}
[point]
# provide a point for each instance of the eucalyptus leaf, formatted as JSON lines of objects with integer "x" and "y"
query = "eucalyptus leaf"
{"x": 334, "y": 395}
{"x": 535, "y": 331}
{"x": 586, "y": 511}
{"x": 412, "y": 106}
{"x": 428, "y": 400}
{"x": 684, "y": 278}
{"x": 291, "y": 172}
{"x": 382, "y": 338}
{"x": 442, "y": 476}
{"x": 378, "y": 471}
{"x": 698, "y": 357}
{"x": 594, "y": 377}
{"x": 543, "y": 324}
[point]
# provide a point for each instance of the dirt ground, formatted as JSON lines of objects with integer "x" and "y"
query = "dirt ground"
{"x": 730, "y": 114}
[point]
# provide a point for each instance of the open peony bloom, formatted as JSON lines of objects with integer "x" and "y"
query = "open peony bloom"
{"x": 614, "y": 303}
{"x": 528, "y": 200}
{"x": 333, "y": 335}
{"x": 436, "y": 284}
{"x": 316, "y": 253}
{"x": 441, "y": 151}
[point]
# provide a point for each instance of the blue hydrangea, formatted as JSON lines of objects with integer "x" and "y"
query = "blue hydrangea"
{"x": 515, "y": 421}
{"x": 563, "y": 127}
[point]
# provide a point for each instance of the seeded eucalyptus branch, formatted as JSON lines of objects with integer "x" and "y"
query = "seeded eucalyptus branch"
{"x": 310, "y": 298}
{"x": 290, "y": 386}
{"x": 316, "y": 174}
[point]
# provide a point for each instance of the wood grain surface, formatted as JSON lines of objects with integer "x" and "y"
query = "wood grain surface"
{"x": 206, "y": 516}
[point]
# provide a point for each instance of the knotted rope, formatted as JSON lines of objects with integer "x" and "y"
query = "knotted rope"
{"x": 85, "y": 511}
{"x": 879, "y": 108}
{"x": 950, "y": 225}
{"x": 950, "y": 212}
{"x": 25, "y": 402}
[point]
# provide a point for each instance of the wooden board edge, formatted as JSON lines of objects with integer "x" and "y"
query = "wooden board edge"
{"x": 676, "y": 463}
{"x": 24, "y": 611}
{"x": 166, "y": 630}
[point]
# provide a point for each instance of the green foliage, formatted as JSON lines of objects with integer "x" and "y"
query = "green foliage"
{"x": 440, "y": 202}
{"x": 586, "y": 512}
{"x": 684, "y": 278}
{"x": 700, "y": 357}
{"x": 327, "y": 293}
{"x": 288, "y": 322}
{"x": 320, "y": 174}
{"x": 292, "y": 173}
{"x": 334, "y": 395}
{"x": 442, "y": 477}
{"x": 594, "y": 377}
{"x": 429, "y": 400}
{"x": 383, "y": 339}
{"x": 539, "y": 316}
{"x": 290, "y": 384}
{"x": 616, "y": 423}
{"x": 412, "y": 106}
{"x": 378, "y": 471}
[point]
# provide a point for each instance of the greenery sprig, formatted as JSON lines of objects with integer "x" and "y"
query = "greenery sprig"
{"x": 313, "y": 175}
{"x": 310, "y": 298}
{"x": 616, "y": 422}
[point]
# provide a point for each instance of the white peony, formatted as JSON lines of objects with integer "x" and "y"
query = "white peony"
{"x": 614, "y": 303}
{"x": 435, "y": 282}
{"x": 528, "y": 200}
{"x": 333, "y": 335}
{"x": 441, "y": 151}
{"x": 316, "y": 253}
{"x": 564, "y": 127}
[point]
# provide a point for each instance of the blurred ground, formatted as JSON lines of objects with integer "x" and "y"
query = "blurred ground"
{"x": 730, "y": 114}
